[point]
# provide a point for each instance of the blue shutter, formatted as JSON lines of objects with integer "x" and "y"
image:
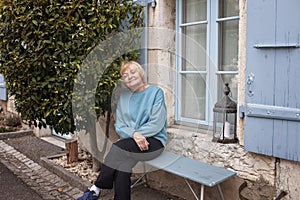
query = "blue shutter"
{"x": 272, "y": 110}
{"x": 3, "y": 95}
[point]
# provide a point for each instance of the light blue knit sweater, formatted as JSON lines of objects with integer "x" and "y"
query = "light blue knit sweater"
{"x": 144, "y": 112}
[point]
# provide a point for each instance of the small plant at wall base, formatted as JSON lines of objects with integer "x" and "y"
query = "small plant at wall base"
{"x": 6, "y": 129}
{"x": 10, "y": 122}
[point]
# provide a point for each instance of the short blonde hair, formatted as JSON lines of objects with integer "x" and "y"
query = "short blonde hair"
{"x": 138, "y": 67}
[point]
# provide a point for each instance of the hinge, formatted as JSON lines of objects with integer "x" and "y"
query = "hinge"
{"x": 266, "y": 46}
{"x": 269, "y": 112}
{"x": 242, "y": 111}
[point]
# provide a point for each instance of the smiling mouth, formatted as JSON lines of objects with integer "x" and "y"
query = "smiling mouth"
{"x": 131, "y": 80}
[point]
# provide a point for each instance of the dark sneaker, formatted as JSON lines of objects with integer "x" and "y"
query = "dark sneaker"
{"x": 88, "y": 195}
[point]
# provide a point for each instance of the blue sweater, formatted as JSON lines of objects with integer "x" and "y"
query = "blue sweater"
{"x": 144, "y": 112}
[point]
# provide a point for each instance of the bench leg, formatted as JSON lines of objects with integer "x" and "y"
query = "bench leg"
{"x": 192, "y": 190}
{"x": 140, "y": 181}
{"x": 202, "y": 192}
{"x": 220, "y": 191}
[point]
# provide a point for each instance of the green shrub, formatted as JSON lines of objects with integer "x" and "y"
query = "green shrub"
{"x": 43, "y": 45}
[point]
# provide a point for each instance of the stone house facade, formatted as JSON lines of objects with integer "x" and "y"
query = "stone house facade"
{"x": 166, "y": 24}
{"x": 180, "y": 35}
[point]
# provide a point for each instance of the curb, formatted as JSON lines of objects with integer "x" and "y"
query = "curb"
{"x": 40, "y": 179}
{"x": 69, "y": 177}
{"x": 15, "y": 134}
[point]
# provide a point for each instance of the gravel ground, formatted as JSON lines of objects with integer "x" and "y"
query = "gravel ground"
{"x": 33, "y": 147}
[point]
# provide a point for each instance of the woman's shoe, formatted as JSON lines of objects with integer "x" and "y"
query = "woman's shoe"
{"x": 89, "y": 195}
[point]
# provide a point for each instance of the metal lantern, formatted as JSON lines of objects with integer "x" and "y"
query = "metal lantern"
{"x": 225, "y": 116}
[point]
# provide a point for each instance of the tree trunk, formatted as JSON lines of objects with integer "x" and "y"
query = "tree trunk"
{"x": 71, "y": 150}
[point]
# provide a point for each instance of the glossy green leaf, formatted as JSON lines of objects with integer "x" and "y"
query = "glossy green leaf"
{"x": 42, "y": 47}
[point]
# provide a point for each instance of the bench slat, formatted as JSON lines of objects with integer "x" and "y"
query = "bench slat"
{"x": 194, "y": 170}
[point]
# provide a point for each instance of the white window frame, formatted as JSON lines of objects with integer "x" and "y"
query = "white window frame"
{"x": 212, "y": 72}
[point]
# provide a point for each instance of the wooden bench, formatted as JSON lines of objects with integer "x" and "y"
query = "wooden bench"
{"x": 190, "y": 169}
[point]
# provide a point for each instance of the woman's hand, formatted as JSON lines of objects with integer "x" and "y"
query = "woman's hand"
{"x": 141, "y": 141}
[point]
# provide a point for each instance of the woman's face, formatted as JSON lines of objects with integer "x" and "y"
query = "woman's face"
{"x": 131, "y": 78}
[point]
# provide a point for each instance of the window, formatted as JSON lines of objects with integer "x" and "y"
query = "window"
{"x": 207, "y": 53}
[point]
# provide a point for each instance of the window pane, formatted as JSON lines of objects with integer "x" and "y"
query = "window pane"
{"x": 228, "y": 8}
{"x": 193, "y": 96}
{"x": 194, "y": 48}
{"x": 194, "y": 10}
{"x": 228, "y": 42}
{"x": 232, "y": 83}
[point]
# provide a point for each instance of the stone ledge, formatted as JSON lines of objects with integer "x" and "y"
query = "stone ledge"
{"x": 15, "y": 134}
{"x": 69, "y": 177}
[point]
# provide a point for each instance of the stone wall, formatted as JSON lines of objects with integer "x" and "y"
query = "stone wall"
{"x": 259, "y": 170}
{"x": 288, "y": 178}
{"x": 242, "y": 66}
{"x": 161, "y": 50}
{"x": 3, "y": 106}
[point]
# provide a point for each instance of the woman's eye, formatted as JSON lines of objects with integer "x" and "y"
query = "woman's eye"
{"x": 125, "y": 76}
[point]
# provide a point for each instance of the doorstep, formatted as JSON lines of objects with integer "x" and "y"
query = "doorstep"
{"x": 55, "y": 140}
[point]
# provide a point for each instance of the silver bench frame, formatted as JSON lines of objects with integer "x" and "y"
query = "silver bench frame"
{"x": 190, "y": 169}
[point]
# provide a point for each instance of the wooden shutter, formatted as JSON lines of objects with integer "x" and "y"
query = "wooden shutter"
{"x": 272, "y": 110}
{"x": 3, "y": 95}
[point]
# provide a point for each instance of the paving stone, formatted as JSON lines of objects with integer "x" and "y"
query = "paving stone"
{"x": 16, "y": 154}
{"x": 37, "y": 168}
{"x": 74, "y": 191}
{"x": 45, "y": 172}
{"x": 35, "y": 176}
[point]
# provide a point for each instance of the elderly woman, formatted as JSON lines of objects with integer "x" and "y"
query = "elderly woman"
{"x": 141, "y": 124}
